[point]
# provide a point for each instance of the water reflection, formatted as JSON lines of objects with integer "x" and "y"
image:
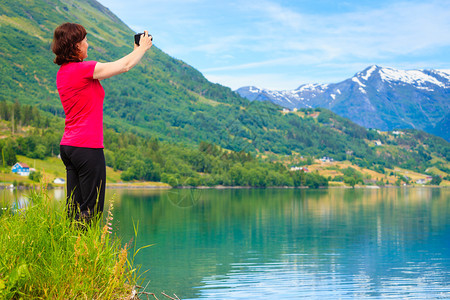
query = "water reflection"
{"x": 300, "y": 244}
{"x": 265, "y": 244}
{"x": 10, "y": 195}
{"x": 19, "y": 199}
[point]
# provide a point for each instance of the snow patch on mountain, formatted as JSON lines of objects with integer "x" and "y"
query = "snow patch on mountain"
{"x": 253, "y": 89}
{"x": 355, "y": 79}
{"x": 413, "y": 77}
{"x": 368, "y": 73}
{"x": 443, "y": 73}
{"x": 311, "y": 87}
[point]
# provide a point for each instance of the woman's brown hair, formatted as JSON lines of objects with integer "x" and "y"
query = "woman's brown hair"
{"x": 65, "y": 40}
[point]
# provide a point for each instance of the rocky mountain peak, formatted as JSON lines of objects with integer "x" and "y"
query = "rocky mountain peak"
{"x": 377, "y": 97}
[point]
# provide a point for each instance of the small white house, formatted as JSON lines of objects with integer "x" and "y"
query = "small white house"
{"x": 326, "y": 159}
{"x": 59, "y": 181}
{"x": 21, "y": 169}
{"x": 304, "y": 169}
{"x": 396, "y": 132}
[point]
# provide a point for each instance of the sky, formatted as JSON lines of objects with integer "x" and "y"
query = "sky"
{"x": 281, "y": 44}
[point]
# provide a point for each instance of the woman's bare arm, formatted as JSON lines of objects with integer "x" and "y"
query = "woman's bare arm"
{"x": 126, "y": 63}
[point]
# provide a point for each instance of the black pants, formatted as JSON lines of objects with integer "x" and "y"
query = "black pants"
{"x": 86, "y": 178}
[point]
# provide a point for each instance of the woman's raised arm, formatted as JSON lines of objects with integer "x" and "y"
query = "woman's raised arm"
{"x": 126, "y": 63}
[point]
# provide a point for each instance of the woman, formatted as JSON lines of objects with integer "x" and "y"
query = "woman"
{"x": 81, "y": 94}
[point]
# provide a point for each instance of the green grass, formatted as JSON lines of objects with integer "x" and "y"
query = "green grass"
{"x": 46, "y": 256}
{"x": 51, "y": 167}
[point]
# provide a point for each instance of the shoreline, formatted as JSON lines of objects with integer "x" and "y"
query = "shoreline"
{"x": 221, "y": 187}
{"x": 131, "y": 186}
{"x": 7, "y": 186}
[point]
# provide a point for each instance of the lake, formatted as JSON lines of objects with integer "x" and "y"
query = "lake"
{"x": 290, "y": 243}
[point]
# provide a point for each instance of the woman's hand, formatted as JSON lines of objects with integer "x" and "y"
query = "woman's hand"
{"x": 145, "y": 41}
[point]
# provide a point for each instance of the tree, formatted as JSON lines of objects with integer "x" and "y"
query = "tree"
{"x": 9, "y": 154}
{"x": 152, "y": 171}
{"x": 436, "y": 180}
{"x": 154, "y": 144}
{"x": 39, "y": 152}
{"x": 35, "y": 176}
{"x": 298, "y": 178}
{"x": 351, "y": 181}
{"x": 4, "y": 111}
{"x": 314, "y": 180}
{"x": 135, "y": 172}
{"x": 236, "y": 175}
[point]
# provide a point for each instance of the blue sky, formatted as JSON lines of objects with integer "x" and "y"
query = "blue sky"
{"x": 281, "y": 44}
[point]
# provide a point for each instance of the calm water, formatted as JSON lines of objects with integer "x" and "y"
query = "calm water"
{"x": 291, "y": 244}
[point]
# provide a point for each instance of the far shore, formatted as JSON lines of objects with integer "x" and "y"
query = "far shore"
{"x": 163, "y": 186}
{"x": 223, "y": 187}
{"x": 138, "y": 185}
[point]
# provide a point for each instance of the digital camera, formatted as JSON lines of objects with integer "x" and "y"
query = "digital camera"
{"x": 137, "y": 38}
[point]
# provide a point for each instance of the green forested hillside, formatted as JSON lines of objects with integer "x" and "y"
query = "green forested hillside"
{"x": 27, "y": 132}
{"x": 164, "y": 99}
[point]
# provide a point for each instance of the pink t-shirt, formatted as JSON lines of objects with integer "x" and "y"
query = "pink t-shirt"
{"x": 82, "y": 99}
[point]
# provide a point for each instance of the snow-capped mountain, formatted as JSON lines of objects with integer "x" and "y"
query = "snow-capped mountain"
{"x": 382, "y": 98}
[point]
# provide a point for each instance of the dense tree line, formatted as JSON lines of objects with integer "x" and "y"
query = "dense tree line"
{"x": 30, "y": 133}
{"x": 207, "y": 165}
{"x": 22, "y": 115}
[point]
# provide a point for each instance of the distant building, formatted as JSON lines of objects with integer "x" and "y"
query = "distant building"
{"x": 304, "y": 169}
{"x": 424, "y": 180}
{"x": 396, "y": 132}
{"x": 378, "y": 143}
{"x": 21, "y": 169}
{"x": 59, "y": 181}
{"x": 326, "y": 159}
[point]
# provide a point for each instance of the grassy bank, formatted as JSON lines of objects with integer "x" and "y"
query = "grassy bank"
{"x": 45, "y": 256}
